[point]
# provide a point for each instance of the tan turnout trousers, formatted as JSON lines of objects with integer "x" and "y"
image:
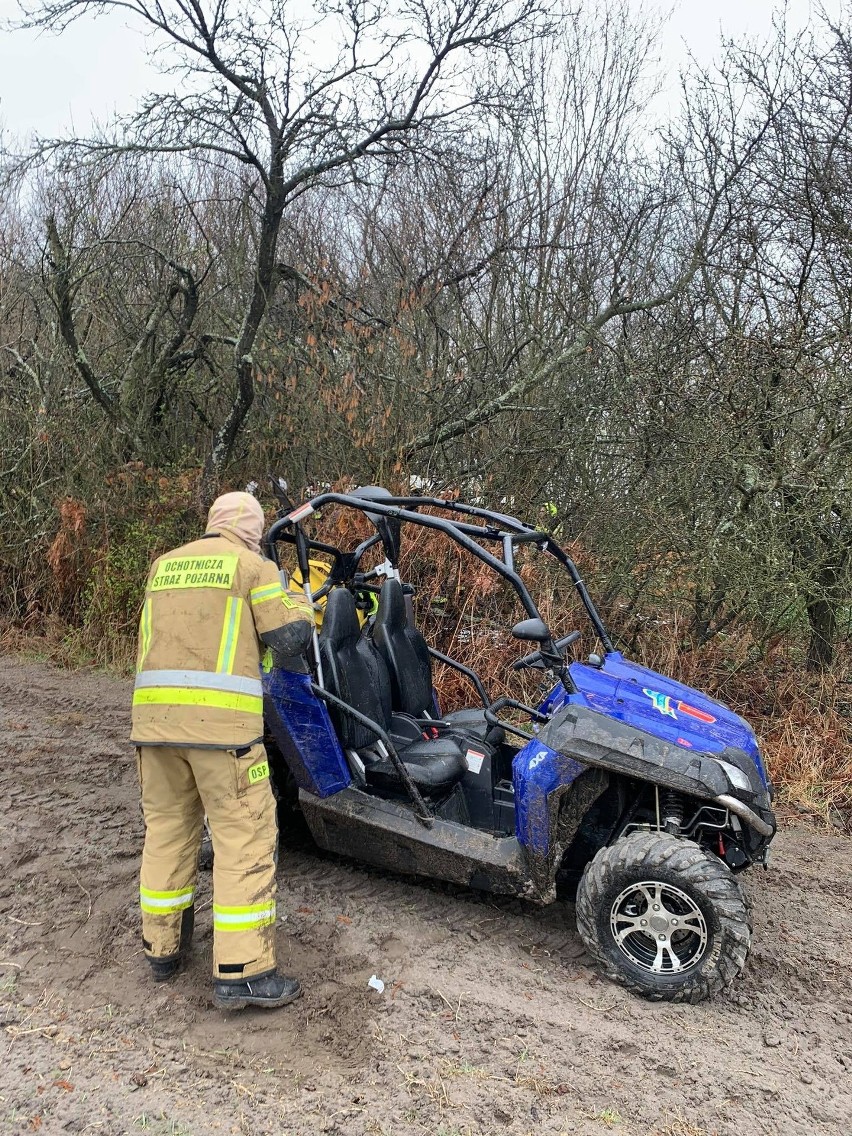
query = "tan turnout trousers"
{"x": 179, "y": 785}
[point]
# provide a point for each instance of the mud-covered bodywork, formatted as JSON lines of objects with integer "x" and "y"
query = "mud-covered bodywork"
{"x": 642, "y": 725}
{"x": 614, "y": 748}
{"x": 724, "y": 777}
{"x": 386, "y": 833}
{"x": 655, "y": 704}
{"x": 556, "y": 779}
{"x": 549, "y": 806}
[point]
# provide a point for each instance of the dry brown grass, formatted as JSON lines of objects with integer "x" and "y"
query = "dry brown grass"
{"x": 804, "y": 721}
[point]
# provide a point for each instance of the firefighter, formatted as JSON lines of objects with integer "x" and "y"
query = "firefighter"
{"x": 211, "y": 609}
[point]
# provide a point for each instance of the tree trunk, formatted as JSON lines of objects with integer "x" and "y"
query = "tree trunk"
{"x": 263, "y": 288}
{"x": 822, "y": 617}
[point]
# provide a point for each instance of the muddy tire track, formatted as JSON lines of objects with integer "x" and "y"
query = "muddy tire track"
{"x": 493, "y": 1019}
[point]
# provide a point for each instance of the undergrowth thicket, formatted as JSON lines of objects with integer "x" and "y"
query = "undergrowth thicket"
{"x": 83, "y": 605}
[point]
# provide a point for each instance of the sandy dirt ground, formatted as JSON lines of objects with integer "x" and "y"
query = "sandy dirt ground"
{"x": 492, "y": 1021}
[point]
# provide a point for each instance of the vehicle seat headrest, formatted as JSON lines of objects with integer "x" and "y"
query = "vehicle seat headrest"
{"x": 391, "y": 611}
{"x": 340, "y": 622}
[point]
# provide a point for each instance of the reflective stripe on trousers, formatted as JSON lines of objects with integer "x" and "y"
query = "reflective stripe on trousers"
{"x": 165, "y": 902}
{"x": 180, "y": 783}
{"x": 247, "y": 918}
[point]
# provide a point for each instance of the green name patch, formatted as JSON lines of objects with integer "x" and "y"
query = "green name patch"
{"x": 194, "y": 572}
{"x": 258, "y": 772}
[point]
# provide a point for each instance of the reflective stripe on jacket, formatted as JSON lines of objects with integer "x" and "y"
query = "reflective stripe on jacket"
{"x": 197, "y": 680}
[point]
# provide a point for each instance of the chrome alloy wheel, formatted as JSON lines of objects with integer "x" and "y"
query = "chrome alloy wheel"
{"x": 659, "y": 927}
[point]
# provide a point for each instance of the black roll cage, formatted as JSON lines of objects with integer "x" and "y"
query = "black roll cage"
{"x": 502, "y": 529}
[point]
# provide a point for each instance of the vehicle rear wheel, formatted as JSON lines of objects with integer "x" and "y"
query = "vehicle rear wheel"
{"x": 205, "y": 852}
{"x": 663, "y": 917}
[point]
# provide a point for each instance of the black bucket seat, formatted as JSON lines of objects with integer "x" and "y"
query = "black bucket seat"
{"x": 406, "y": 655}
{"x": 356, "y": 673}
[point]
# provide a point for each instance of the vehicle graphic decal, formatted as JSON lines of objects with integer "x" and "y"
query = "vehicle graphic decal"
{"x": 661, "y": 702}
{"x": 694, "y": 712}
{"x": 664, "y": 704}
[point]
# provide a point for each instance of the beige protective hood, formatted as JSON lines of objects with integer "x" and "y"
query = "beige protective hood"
{"x": 239, "y": 514}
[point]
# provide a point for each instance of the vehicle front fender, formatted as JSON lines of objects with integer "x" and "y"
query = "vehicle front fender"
{"x": 606, "y": 743}
{"x": 553, "y": 792}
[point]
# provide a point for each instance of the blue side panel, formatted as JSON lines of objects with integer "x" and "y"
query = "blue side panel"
{"x": 536, "y": 771}
{"x": 657, "y": 705}
{"x": 300, "y": 724}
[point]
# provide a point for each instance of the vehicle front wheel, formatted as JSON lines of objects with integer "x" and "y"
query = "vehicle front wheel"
{"x": 663, "y": 917}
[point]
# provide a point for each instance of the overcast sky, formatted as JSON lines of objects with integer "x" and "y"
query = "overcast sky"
{"x": 52, "y": 85}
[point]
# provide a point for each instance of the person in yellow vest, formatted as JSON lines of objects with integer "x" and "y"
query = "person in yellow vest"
{"x": 211, "y": 609}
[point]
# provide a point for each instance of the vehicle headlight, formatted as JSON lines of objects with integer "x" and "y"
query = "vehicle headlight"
{"x": 736, "y": 776}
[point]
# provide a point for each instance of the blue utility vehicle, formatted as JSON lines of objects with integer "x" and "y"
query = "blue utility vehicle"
{"x": 645, "y": 795}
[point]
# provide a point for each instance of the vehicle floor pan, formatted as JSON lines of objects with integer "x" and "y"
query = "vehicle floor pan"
{"x": 387, "y": 834}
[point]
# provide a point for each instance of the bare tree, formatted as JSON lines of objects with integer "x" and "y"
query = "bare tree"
{"x": 782, "y": 307}
{"x": 738, "y": 433}
{"x": 299, "y": 104}
{"x": 605, "y": 222}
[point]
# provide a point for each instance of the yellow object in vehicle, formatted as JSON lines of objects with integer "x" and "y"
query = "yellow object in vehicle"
{"x": 317, "y": 575}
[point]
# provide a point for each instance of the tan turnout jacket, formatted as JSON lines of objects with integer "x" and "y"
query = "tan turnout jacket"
{"x": 198, "y": 668}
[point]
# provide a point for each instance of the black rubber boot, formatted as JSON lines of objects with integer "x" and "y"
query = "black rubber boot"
{"x": 162, "y": 969}
{"x": 270, "y": 990}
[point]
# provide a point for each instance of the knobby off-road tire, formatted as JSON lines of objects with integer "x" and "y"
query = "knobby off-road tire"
{"x": 635, "y": 890}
